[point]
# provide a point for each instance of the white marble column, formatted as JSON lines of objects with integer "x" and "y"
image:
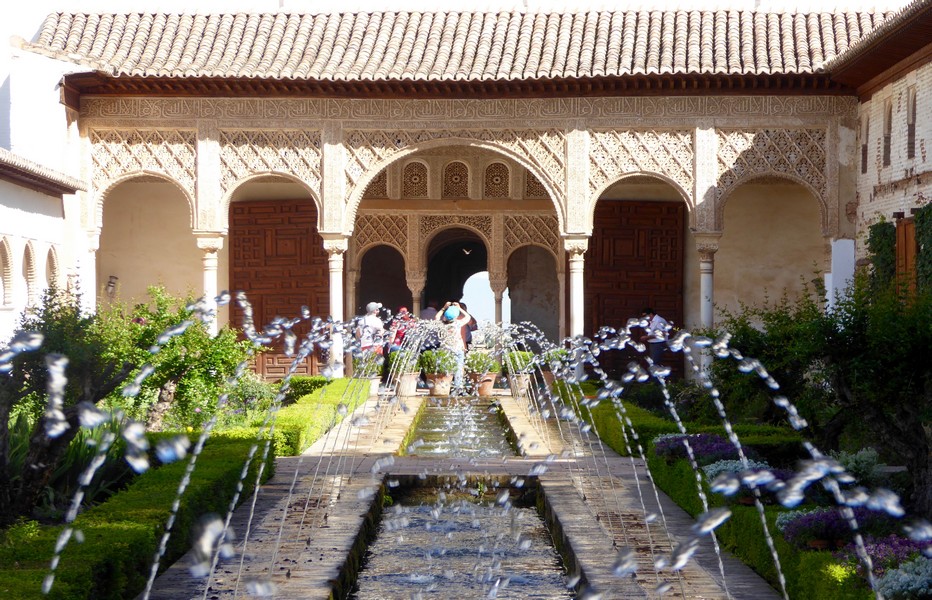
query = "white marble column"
{"x": 87, "y": 274}
{"x": 499, "y": 283}
{"x": 576, "y": 248}
{"x": 210, "y": 244}
{"x": 707, "y": 245}
{"x": 335, "y": 248}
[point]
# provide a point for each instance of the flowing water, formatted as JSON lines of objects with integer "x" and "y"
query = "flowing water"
{"x": 476, "y": 422}
{"x": 462, "y": 541}
{"x": 490, "y": 540}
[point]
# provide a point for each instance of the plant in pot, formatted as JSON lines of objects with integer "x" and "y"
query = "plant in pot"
{"x": 482, "y": 370}
{"x": 550, "y": 361}
{"x": 403, "y": 369}
{"x": 368, "y": 365}
{"x": 438, "y": 366}
{"x": 519, "y": 365}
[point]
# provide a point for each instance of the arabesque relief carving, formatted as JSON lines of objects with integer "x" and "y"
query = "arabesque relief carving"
{"x": 244, "y": 152}
{"x": 117, "y": 152}
{"x": 521, "y": 230}
{"x": 544, "y": 149}
{"x": 614, "y": 153}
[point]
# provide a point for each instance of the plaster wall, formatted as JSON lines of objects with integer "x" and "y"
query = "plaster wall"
{"x": 534, "y": 290}
{"x": 907, "y": 182}
{"x": 146, "y": 240}
{"x": 771, "y": 244}
{"x": 27, "y": 217}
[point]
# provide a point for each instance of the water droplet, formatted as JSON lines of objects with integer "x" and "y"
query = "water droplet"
{"x": 625, "y": 563}
{"x": 173, "y": 449}
{"x": 708, "y": 521}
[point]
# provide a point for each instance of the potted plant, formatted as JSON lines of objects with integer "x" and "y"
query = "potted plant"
{"x": 550, "y": 360}
{"x": 403, "y": 369}
{"x": 482, "y": 370}
{"x": 368, "y": 365}
{"x": 519, "y": 365}
{"x": 438, "y": 366}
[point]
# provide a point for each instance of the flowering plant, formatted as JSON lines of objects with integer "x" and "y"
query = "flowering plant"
{"x": 707, "y": 447}
{"x": 886, "y": 552}
{"x": 910, "y": 580}
{"x": 829, "y": 524}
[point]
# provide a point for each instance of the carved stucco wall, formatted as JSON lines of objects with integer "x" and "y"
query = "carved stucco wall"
{"x": 766, "y": 135}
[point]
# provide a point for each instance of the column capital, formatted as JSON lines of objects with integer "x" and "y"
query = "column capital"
{"x": 498, "y": 282}
{"x": 209, "y": 241}
{"x": 335, "y": 244}
{"x": 707, "y": 244}
{"x": 576, "y": 246}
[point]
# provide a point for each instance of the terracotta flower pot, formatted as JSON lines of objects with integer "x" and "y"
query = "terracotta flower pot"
{"x": 482, "y": 383}
{"x": 439, "y": 384}
{"x": 407, "y": 384}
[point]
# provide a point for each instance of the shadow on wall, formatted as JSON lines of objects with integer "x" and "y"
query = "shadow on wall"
{"x": 5, "y": 139}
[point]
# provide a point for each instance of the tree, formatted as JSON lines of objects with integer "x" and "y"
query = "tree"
{"x": 92, "y": 375}
{"x": 863, "y": 364}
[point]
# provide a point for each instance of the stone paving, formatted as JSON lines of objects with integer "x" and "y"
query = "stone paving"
{"x": 303, "y": 534}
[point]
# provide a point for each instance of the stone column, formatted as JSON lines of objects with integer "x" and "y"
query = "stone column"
{"x": 336, "y": 247}
{"x": 210, "y": 244}
{"x": 576, "y": 248}
{"x": 87, "y": 274}
{"x": 499, "y": 283}
{"x": 416, "y": 280}
{"x": 707, "y": 245}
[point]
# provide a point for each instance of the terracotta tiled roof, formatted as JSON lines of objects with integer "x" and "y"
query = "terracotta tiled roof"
{"x": 30, "y": 174}
{"x": 900, "y": 19}
{"x": 453, "y": 46}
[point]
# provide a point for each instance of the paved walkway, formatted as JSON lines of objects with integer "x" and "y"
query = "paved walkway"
{"x": 293, "y": 539}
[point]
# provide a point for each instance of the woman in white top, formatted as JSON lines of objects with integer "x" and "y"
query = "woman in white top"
{"x": 456, "y": 319}
{"x": 656, "y": 336}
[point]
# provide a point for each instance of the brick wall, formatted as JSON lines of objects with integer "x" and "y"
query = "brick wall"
{"x": 907, "y": 182}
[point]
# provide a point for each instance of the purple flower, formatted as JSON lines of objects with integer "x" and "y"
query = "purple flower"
{"x": 829, "y": 524}
{"x": 886, "y": 552}
{"x": 198, "y": 409}
{"x": 707, "y": 448}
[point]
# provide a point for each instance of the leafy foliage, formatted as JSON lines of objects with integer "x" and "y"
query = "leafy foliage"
{"x": 881, "y": 245}
{"x": 437, "y": 361}
{"x": 923, "y": 222}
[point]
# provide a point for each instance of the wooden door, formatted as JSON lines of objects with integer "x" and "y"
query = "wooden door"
{"x": 635, "y": 259}
{"x": 906, "y": 251}
{"x": 278, "y": 258}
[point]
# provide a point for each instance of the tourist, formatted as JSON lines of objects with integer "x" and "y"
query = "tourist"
{"x": 455, "y": 319}
{"x": 403, "y": 321}
{"x": 370, "y": 331}
{"x": 429, "y": 312}
{"x": 470, "y": 327}
{"x": 656, "y": 335}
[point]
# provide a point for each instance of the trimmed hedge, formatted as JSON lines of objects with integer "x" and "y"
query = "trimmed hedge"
{"x": 299, "y": 425}
{"x": 121, "y": 535}
{"x": 302, "y": 385}
{"x": 808, "y": 573}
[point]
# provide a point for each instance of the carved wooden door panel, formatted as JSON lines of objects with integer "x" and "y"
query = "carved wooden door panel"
{"x": 635, "y": 259}
{"x": 277, "y": 257}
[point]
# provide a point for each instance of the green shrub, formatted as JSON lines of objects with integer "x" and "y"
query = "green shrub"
{"x": 481, "y": 361}
{"x": 121, "y": 536}
{"x": 402, "y": 361}
{"x": 302, "y": 385}
{"x": 437, "y": 361}
{"x": 518, "y": 361}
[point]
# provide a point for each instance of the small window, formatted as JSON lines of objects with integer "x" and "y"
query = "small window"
{"x": 887, "y": 131}
{"x": 865, "y": 130}
{"x": 911, "y": 122}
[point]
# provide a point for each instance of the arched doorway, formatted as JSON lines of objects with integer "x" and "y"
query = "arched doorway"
{"x": 771, "y": 243}
{"x": 146, "y": 240}
{"x": 382, "y": 279}
{"x": 636, "y": 258}
{"x": 276, "y": 255}
{"x": 453, "y": 256}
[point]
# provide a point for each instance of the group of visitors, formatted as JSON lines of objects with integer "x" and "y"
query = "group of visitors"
{"x": 458, "y": 325}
